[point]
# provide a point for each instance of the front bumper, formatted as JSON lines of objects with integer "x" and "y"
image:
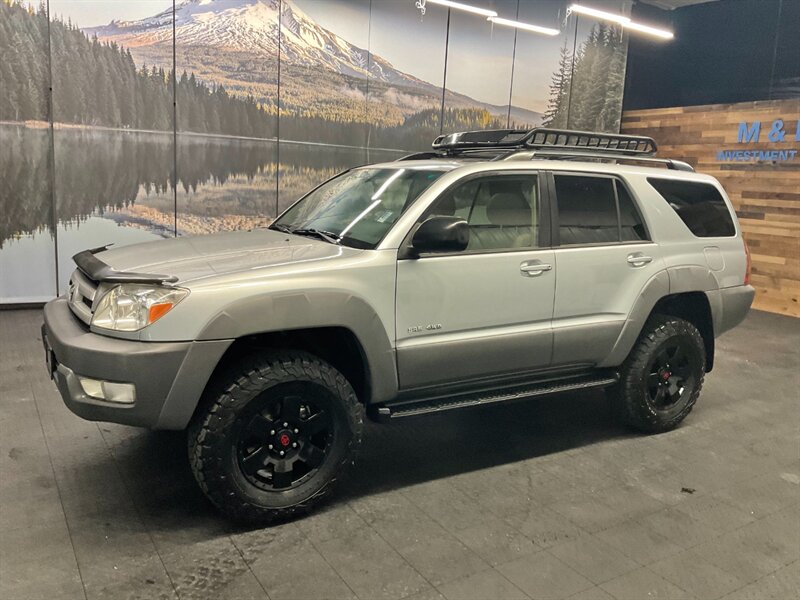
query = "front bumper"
{"x": 169, "y": 376}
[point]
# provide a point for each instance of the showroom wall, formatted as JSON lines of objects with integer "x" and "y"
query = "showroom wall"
{"x": 100, "y": 143}
{"x": 759, "y": 167}
{"x": 695, "y": 95}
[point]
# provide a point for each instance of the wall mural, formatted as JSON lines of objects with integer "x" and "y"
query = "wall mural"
{"x": 271, "y": 97}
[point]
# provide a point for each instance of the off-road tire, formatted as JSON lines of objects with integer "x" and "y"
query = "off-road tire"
{"x": 212, "y": 452}
{"x": 632, "y": 398}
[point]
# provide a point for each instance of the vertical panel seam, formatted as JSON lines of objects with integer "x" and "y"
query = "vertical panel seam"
{"x": 444, "y": 76}
{"x": 174, "y": 126}
{"x": 513, "y": 62}
{"x": 52, "y": 150}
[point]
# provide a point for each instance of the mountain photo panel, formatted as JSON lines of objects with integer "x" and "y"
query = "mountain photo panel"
{"x": 194, "y": 116}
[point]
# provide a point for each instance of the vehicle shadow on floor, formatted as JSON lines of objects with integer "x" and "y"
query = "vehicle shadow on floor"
{"x": 394, "y": 455}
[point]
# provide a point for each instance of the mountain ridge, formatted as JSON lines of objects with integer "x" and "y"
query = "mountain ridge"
{"x": 250, "y": 28}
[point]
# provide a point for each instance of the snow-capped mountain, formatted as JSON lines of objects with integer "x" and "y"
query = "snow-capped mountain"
{"x": 251, "y": 26}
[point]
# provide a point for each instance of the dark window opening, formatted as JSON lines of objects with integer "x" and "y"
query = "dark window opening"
{"x": 699, "y": 205}
{"x": 587, "y": 210}
{"x": 630, "y": 221}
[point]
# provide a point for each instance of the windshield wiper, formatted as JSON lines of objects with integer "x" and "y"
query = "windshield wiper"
{"x": 328, "y": 236}
{"x": 279, "y": 227}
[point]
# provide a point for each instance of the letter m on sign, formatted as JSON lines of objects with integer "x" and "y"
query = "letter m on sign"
{"x": 749, "y": 134}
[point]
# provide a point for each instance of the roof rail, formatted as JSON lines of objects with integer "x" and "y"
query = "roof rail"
{"x": 669, "y": 163}
{"x": 544, "y": 138}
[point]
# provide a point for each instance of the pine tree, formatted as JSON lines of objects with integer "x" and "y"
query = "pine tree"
{"x": 556, "y": 113}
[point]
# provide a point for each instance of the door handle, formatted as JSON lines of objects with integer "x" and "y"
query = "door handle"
{"x": 534, "y": 269}
{"x": 639, "y": 260}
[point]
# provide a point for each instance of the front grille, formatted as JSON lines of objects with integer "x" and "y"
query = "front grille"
{"x": 82, "y": 292}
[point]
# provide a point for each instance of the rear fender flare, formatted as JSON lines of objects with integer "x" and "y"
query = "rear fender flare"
{"x": 674, "y": 280}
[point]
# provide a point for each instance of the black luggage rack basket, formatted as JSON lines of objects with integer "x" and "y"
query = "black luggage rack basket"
{"x": 543, "y": 142}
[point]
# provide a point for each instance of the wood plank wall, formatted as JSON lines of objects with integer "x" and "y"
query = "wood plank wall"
{"x": 766, "y": 195}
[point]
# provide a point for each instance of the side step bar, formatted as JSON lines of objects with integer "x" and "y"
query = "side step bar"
{"x": 545, "y": 388}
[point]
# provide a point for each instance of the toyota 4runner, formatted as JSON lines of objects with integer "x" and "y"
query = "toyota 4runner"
{"x": 500, "y": 265}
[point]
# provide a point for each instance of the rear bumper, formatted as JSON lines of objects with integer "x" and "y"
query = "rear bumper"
{"x": 169, "y": 377}
{"x": 734, "y": 305}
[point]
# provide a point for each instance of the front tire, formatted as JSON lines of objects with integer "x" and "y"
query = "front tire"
{"x": 274, "y": 436}
{"x": 661, "y": 379}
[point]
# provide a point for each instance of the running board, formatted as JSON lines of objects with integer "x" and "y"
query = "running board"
{"x": 453, "y": 402}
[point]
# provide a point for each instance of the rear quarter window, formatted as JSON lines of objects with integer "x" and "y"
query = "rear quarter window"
{"x": 699, "y": 205}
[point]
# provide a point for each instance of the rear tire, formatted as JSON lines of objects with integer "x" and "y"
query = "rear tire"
{"x": 274, "y": 436}
{"x": 661, "y": 379}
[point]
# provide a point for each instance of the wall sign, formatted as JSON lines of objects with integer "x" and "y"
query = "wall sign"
{"x": 755, "y": 132}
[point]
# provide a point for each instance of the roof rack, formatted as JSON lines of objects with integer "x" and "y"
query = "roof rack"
{"x": 543, "y": 142}
{"x": 487, "y": 138}
{"x": 544, "y": 137}
{"x": 615, "y": 143}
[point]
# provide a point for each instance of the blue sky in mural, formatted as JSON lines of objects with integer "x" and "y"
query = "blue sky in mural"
{"x": 91, "y": 13}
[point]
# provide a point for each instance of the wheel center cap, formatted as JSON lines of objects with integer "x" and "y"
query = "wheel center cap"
{"x": 666, "y": 375}
{"x": 284, "y": 440}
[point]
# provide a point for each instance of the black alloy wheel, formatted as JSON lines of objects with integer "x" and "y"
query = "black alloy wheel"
{"x": 670, "y": 375}
{"x": 287, "y": 438}
{"x": 661, "y": 379}
{"x": 273, "y": 436}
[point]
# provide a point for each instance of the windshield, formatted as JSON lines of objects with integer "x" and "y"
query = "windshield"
{"x": 358, "y": 207}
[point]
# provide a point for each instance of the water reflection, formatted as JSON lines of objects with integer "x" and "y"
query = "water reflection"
{"x": 116, "y": 186}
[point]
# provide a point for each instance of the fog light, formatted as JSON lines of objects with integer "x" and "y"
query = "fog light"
{"x": 121, "y": 393}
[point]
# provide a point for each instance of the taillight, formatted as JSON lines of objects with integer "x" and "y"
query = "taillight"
{"x": 748, "y": 266}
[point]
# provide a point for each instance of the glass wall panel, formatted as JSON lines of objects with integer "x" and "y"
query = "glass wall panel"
{"x": 406, "y": 75}
{"x": 113, "y": 125}
{"x": 479, "y": 58}
{"x": 598, "y": 76}
{"x": 323, "y": 88}
{"x": 542, "y": 67}
{"x": 227, "y": 94}
{"x": 27, "y": 240}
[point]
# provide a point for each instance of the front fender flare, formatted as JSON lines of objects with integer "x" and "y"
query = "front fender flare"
{"x": 308, "y": 309}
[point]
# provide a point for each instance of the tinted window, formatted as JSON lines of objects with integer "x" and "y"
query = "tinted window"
{"x": 587, "y": 210}
{"x": 630, "y": 221}
{"x": 502, "y": 211}
{"x": 699, "y": 205}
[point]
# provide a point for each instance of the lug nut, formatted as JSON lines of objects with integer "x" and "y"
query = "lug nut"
{"x": 285, "y": 424}
{"x": 294, "y": 445}
{"x": 282, "y": 453}
{"x": 270, "y": 446}
{"x": 297, "y": 431}
{"x": 272, "y": 432}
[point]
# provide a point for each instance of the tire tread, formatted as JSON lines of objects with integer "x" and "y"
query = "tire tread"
{"x": 633, "y": 410}
{"x": 218, "y": 410}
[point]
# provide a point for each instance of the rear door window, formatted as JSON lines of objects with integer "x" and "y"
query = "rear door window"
{"x": 699, "y": 205}
{"x": 587, "y": 210}
{"x": 630, "y": 221}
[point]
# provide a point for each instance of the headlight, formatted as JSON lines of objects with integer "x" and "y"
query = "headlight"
{"x": 130, "y": 307}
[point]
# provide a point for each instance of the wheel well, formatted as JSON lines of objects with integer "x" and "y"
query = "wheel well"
{"x": 692, "y": 307}
{"x": 335, "y": 345}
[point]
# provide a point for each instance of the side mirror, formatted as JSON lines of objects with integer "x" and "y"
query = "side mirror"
{"x": 440, "y": 233}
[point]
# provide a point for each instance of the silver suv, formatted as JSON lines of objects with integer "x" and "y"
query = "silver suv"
{"x": 498, "y": 266}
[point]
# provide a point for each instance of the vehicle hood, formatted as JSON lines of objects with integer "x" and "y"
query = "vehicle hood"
{"x": 199, "y": 257}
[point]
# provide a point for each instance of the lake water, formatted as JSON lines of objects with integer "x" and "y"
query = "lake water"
{"x": 116, "y": 187}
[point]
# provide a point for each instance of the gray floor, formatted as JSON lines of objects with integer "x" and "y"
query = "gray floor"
{"x": 546, "y": 499}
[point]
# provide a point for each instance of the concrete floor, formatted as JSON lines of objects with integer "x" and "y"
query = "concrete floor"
{"x": 544, "y": 499}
